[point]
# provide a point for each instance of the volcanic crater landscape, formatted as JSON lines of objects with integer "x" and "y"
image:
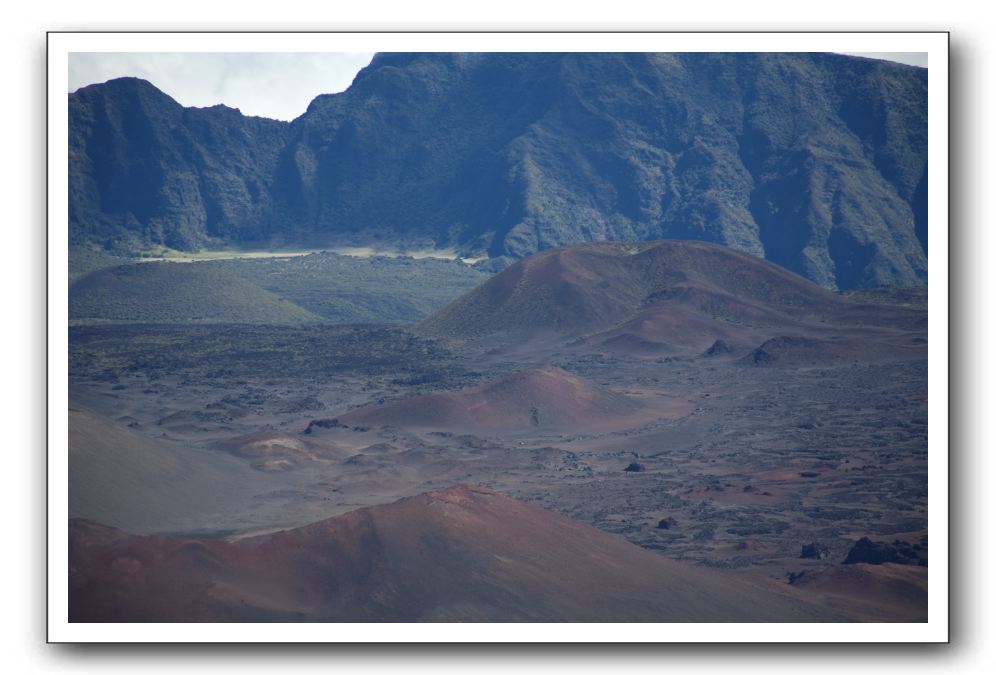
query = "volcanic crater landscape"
{"x": 496, "y": 337}
{"x": 658, "y": 417}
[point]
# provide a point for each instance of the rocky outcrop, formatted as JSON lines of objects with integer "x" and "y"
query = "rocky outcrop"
{"x": 718, "y": 348}
{"x": 815, "y": 551}
{"x": 867, "y": 551}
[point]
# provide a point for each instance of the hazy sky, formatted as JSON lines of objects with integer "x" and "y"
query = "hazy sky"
{"x": 277, "y": 85}
{"x": 909, "y": 58}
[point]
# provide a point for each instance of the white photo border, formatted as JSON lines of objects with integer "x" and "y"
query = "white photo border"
{"x": 62, "y": 44}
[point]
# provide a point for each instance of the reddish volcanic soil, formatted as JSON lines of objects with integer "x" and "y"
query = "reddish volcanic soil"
{"x": 677, "y": 297}
{"x": 546, "y": 398}
{"x": 458, "y": 554}
{"x": 880, "y": 590}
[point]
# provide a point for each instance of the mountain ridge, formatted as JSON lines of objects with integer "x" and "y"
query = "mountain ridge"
{"x": 814, "y": 161}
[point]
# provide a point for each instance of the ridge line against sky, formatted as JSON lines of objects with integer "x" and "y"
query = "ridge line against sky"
{"x": 278, "y": 85}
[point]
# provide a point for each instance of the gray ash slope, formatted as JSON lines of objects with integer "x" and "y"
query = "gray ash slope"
{"x": 816, "y": 162}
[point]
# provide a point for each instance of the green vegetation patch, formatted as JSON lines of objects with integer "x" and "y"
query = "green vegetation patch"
{"x": 915, "y": 298}
{"x": 318, "y": 287}
{"x": 344, "y": 289}
{"x": 158, "y": 292}
{"x": 84, "y": 261}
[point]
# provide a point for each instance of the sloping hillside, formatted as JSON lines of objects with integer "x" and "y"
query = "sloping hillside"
{"x": 127, "y": 478}
{"x": 459, "y": 554}
{"x": 160, "y": 292}
{"x": 590, "y": 288}
{"x": 668, "y": 297}
{"x": 541, "y": 398}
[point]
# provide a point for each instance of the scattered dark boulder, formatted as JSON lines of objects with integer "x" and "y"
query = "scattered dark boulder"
{"x": 635, "y": 467}
{"x": 718, "y": 348}
{"x": 666, "y": 523}
{"x": 876, "y": 553}
{"x": 475, "y": 442}
{"x": 809, "y": 474}
{"x": 759, "y": 356}
{"x": 795, "y": 576}
{"x": 815, "y": 551}
{"x": 324, "y": 424}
